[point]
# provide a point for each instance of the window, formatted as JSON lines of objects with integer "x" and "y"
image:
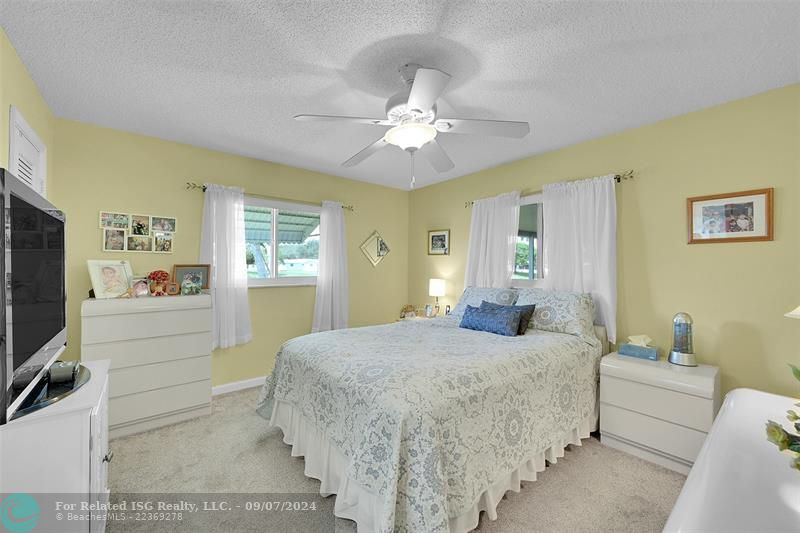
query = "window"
{"x": 282, "y": 242}
{"x": 27, "y": 154}
{"x": 528, "y": 259}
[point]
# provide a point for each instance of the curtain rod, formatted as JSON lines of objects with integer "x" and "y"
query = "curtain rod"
{"x": 619, "y": 178}
{"x": 192, "y": 186}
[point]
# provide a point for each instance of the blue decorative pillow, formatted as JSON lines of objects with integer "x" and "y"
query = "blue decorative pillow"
{"x": 500, "y": 321}
{"x": 526, "y": 313}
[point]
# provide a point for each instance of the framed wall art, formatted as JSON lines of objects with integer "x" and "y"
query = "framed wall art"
{"x": 439, "y": 242}
{"x": 731, "y": 217}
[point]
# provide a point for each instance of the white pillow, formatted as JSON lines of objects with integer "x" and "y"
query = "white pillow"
{"x": 561, "y": 312}
{"x": 475, "y": 295}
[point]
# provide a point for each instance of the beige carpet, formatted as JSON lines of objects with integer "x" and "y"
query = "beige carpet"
{"x": 592, "y": 489}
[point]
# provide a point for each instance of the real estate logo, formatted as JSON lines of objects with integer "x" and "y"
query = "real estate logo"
{"x": 19, "y": 513}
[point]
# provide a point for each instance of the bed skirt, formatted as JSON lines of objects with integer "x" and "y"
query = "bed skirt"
{"x": 324, "y": 461}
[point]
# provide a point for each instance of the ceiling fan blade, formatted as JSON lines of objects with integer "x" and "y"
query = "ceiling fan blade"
{"x": 428, "y": 85}
{"x": 497, "y": 128}
{"x": 365, "y": 153}
{"x": 438, "y": 158}
{"x": 336, "y": 118}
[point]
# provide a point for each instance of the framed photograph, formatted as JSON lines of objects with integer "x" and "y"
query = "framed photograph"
{"x": 439, "y": 242}
{"x": 163, "y": 224}
{"x": 141, "y": 287}
{"x": 110, "y": 279}
{"x": 162, "y": 241}
{"x": 114, "y": 220}
{"x": 140, "y": 224}
{"x": 138, "y": 243}
{"x": 732, "y": 217}
{"x": 429, "y": 311}
{"x": 114, "y": 240}
{"x": 191, "y": 277}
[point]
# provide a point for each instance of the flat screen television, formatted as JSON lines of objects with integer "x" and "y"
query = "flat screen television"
{"x": 33, "y": 326}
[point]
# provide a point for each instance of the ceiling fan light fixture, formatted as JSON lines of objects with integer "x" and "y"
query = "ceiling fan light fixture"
{"x": 410, "y": 135}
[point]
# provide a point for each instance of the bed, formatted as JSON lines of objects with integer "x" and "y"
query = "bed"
{"x": 420, "y": 425}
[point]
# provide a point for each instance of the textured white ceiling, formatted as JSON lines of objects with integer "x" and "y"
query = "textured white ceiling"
{"x": 230, "y": 75}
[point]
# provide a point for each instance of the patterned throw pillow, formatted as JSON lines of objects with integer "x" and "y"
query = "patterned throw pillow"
{"x": 504, "y": 321}
{"x": 524, "y": 318}
{"x": 475, "y": 295}
{"x": 561, "y": 312}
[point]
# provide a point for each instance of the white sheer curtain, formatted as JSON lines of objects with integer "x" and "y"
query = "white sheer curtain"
{"x": 493, "y": 241}
{"x": 331, "y": 305}
{"x": 580, "y": 251}
{"x": 222, "y": 245}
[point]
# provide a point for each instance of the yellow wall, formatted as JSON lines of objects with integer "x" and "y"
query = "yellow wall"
{"x": 102, "y": 169}
{"x": 736, "y": 292}
{"x": 17, "y": 88}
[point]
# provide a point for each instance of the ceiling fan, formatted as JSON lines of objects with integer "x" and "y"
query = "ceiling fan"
{"x": 414, "y": 124}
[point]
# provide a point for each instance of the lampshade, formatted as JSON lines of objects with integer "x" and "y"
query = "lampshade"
{"x": 436, "y": 287}
{"x": 410, "y": 135}
{"x": 790, "y": 314}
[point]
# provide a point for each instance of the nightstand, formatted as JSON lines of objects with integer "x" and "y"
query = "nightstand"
{"x": 656, "y": 410}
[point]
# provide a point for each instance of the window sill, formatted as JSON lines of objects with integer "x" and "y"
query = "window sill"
{"x": 282, "y": 282}
{"x": 527, "y": 283}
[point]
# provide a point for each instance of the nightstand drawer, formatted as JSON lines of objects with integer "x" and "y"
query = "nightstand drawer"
{"x": 657, "y": 434}
{"x": 672, "y": 406}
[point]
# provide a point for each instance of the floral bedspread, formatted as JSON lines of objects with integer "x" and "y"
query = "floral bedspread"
{"x": 429, "y": 414}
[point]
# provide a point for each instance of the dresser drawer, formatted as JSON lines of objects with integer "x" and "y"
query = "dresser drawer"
{"x": 143, "y": 378}
{"x": 136, "y": 352}
{"x": 666, "y": 437}
{"x": 111, "y": 328}
{"x": 672, "y": 406}
{"x": 158, "y": 402}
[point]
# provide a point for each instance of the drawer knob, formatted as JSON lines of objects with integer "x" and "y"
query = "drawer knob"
{"x": 109, "y": 456}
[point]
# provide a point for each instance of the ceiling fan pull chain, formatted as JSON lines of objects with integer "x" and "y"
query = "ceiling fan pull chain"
{"x": 413, "y": 177}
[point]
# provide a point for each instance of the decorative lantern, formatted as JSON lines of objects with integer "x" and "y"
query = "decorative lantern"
{"x": 682, "y": 347}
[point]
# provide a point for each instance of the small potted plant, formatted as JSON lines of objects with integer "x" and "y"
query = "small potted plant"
{"x": 784, "y": 440}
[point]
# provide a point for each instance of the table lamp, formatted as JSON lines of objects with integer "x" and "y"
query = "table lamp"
{"x": 436, "y": 287}
{"x": 790, "y": 314}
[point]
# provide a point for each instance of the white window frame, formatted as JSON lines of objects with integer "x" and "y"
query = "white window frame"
{"x": 537, "y": 198}
{"x": 292, "y": 281}
{"x": 18, "y": 126}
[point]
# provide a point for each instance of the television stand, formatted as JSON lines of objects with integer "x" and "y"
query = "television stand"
{"x": 46, "y": 393}
{"x": 62, "y": 447}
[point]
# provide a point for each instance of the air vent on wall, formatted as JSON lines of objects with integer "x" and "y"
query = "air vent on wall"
{"x": 27, "y": 154}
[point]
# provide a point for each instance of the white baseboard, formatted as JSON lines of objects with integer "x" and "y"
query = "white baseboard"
{"x": 238, "y": 385}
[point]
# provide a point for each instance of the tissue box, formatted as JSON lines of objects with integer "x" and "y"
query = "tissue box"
{"x": 642, "y": 352}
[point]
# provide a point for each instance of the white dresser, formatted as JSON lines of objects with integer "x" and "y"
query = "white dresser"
{"x": 656, "y": 410}
{"x": 160, "y": 352}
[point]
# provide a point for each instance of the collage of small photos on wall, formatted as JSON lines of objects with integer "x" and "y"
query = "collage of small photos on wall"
{"x": 123, "y": 232}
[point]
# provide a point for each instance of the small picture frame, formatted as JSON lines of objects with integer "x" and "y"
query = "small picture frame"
{"x": 169, "y": 224}
{"x": 162, "y": 242}
{"x": 173, "y": 289}
{"x": 110, "y": 279}
{"x": 439, "y": 242}
{"x": 731, "y": 217}
{"x": 429, "y": 311}
{"x": 109, "y": 219}
{"x": 141, "y": 287}
{"x": 114, "y": 240}
{"x": 191, "y": 278}
{"x": 140, "y": 225}
{"x": 139, "y": 243}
